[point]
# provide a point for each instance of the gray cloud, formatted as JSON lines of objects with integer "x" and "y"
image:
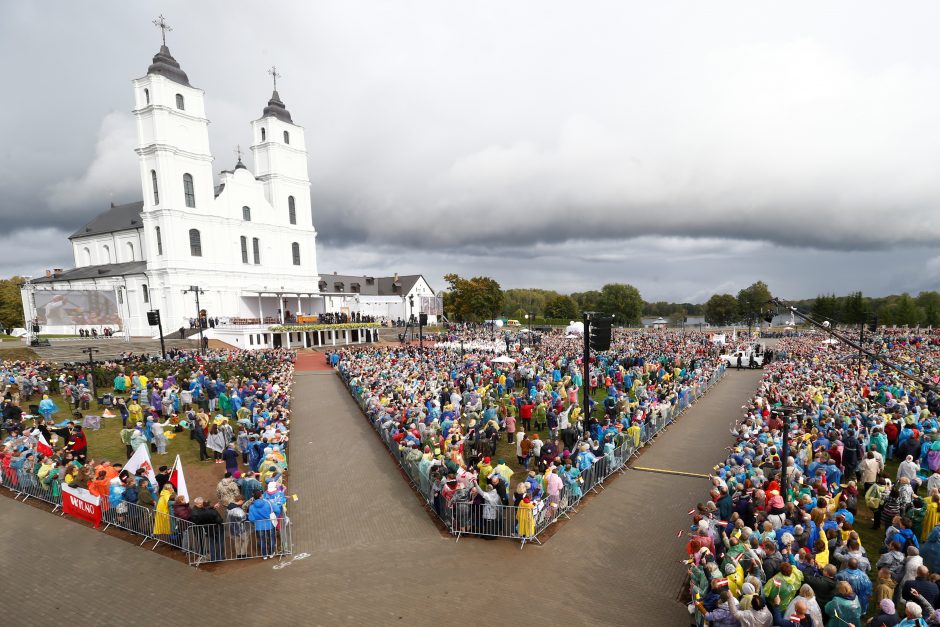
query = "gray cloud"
{"x": 564, "y": 142}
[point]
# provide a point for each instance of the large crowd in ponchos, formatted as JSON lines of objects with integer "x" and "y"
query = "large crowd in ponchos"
{"x": 234, "y": 406}
{"x": 444, "y": 411}
{"x": 763, "y": 551}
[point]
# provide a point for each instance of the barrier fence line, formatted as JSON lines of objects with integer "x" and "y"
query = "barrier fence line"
{"x": 494, "y": 520}
{"x": 202, "y": 543}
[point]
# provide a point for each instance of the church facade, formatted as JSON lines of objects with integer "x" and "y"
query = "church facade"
{"x": 239, "y": 249}
{"x": 248, "y": 243}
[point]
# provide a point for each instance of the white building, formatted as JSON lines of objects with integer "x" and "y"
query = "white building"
{"x": 392, "y": 298}
{"x": 248, "y": 243}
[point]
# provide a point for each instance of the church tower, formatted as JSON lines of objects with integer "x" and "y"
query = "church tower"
{"x": 173, "y": 151}
{"x": 280, "y": 160}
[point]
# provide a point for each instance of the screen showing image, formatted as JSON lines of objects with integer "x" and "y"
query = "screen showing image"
{"x": 86, "y": 307}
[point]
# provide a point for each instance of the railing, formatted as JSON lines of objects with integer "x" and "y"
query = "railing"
{"x": 201, "y": 543}
{"x": 239, "y": 540}
{"x": 464, "y": 516}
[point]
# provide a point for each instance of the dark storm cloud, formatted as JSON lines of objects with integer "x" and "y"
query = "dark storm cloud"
{"x": 537, "y": 136}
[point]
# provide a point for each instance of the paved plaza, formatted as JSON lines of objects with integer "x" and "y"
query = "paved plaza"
{"x": 375, "y": 557}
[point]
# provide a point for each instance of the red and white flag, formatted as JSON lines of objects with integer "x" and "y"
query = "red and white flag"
{"x": 81, "y": 503}
{"x": 141, "y": 459}
{"x": 178, "y": 479}
{"x": 42, "y": 447}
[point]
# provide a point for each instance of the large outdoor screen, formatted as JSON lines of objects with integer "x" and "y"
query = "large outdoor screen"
{"x": 432, "y": 305}
{"x": 86, "y": 307}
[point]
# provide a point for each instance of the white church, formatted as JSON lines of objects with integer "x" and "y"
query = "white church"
{"x": 247, "y": 245}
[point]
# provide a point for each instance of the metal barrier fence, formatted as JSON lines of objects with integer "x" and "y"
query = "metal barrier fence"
{"x": 201, "y": 543}
{"x": 239, "y": 540}
{"x": 470, "y": 512}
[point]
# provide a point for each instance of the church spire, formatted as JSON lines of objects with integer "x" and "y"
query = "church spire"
{"x": 275, "y": 106}
{"x": 163, "y": 62}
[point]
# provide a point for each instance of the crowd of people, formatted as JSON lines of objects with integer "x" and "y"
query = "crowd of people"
{"x": 794, "y": 547}
{"x": 234, "y": 405}
{"x": 449, "y": 410}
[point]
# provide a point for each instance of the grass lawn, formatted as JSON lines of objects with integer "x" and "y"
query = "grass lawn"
{"x": 18, "y": 353}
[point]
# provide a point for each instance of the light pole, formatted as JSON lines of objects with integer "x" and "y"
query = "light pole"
{"x": 28, "y": 313}
{"x": 195, "y": 289}
{"x": 91, "y": 350}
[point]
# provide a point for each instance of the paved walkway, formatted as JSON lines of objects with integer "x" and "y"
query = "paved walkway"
{"x": 377, "y": 558}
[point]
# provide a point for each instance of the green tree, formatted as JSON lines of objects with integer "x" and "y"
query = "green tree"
{"x": 721, "y": 310}
{"x": 530, "y": 300}
{"x": 826, "y": 307}
{"x": 11, "y": 304}
{"x": 472, "y": 299}
{"x": 930, "y": 303}
{"x": 678, "y": 317}
{"x": 903, "y": 311}
{"x": 587, "y": 301}
{"x": 753, "y": 301}
{"x": 854, "y": 309}
{"x": 623, "y": 301}
{"x": 561, "y": 307}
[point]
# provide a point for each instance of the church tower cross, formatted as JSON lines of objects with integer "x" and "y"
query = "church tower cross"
{"x": 274, "y": 75}
{"x": 160, "y": 23}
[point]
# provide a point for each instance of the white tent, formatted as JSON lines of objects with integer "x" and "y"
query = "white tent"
{"x": 575, "y": 327}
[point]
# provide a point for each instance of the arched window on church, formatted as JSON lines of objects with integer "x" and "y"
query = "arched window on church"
{"x": 195, "y": 243}
{"x": 256, "y": 250}
{"x": 86, "y": 256}
{"x": 156, "y": 190}
{"x": 244, "y": 249}
{"x": 130, "y": 251}
{"x": 188, "y": 191}
{"x": 263, "y": 134}
{"x": 295, "y": 253}
{"x": 286, "y": 137}
{"x": 145, "y": 291}
{"x": 107, "y": 253}
{"x": 179, "y": 102}
{"x": 246, "y": 214}
{"x": 159, "y": 242}
{"x": 147, "y": 96}
{"x": 291, "y": 210}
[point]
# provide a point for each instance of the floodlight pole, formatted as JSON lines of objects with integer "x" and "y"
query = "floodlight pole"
{"x": 585, "y": 384}
{"x": 197, "y": 291}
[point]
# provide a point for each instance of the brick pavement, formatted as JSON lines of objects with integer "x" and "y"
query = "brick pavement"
{"x": 377, "y": 558}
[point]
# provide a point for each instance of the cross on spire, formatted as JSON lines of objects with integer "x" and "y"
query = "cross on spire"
{"x": 274, "y": 75}
{"x": 238, "y": 152}
{"x": 160, "y": 23}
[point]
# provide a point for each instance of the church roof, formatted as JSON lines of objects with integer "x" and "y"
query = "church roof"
{"x": 371, "y": 286}
{"x": 165, "y": 65}
{"x": 117, "y": 218}
{"x": 97, "y": 272}
{"x": 277, "y": 109}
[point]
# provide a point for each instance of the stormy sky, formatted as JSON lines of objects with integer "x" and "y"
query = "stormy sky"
{"x": 685, "y": 147}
